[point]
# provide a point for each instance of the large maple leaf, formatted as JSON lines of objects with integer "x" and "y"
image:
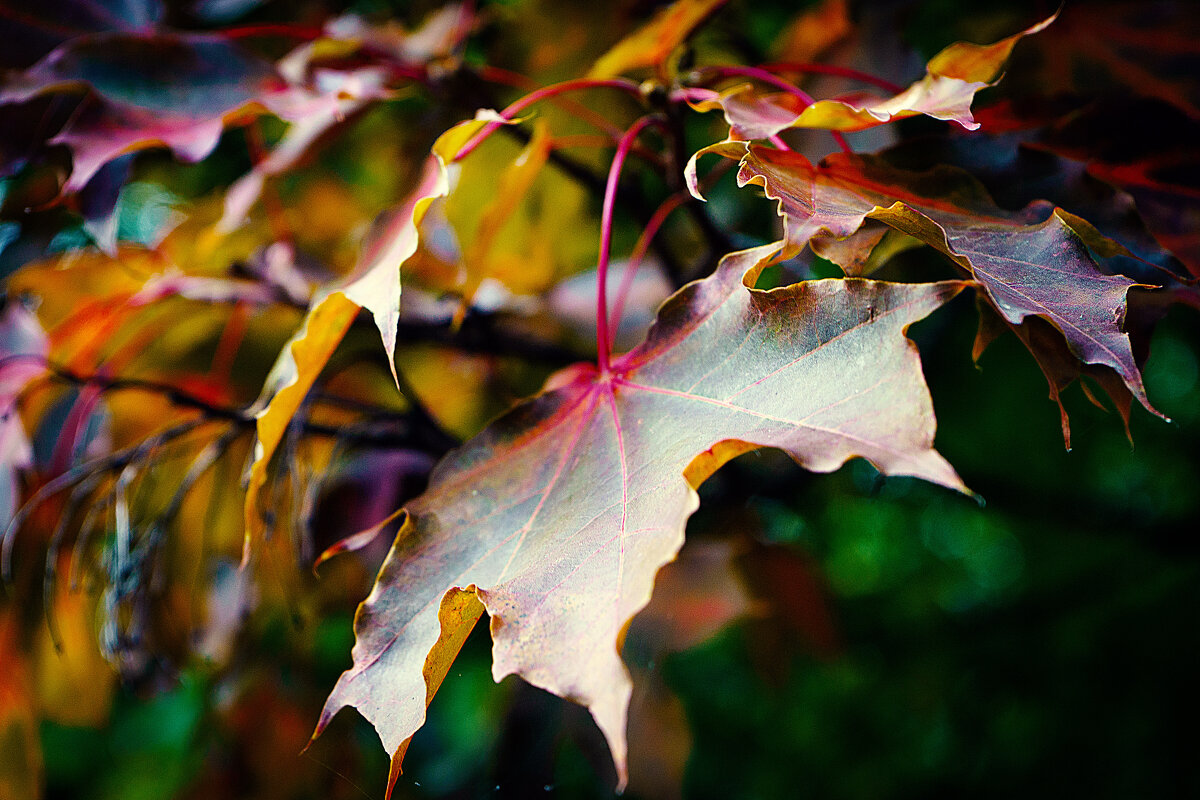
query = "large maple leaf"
{"x": 1032, "y": 263}
{"x": 556, "y": 518}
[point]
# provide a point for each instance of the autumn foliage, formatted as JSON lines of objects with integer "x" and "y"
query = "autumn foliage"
{"x": 455, "y": 311}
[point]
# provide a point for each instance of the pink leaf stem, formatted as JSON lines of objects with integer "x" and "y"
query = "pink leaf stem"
{"x": 639, "y": 252}
{"x": 516, "y": 80}
{"x": 760, "y": 74}
{"x": 517, "y": 107}
{"x": 603, "y": 337}
{"x": 840, "y": 72}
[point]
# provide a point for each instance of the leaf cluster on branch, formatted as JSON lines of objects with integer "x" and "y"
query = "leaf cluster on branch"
{"x": 185, "y": 346}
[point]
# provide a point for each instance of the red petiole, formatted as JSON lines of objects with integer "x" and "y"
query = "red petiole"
{"x": 839, "y": 72}
{"x": 761, "y": 75}
{"x": 541, "y": 94}
{"x": 639, "y": 252}
{"x": 603, "y": 333}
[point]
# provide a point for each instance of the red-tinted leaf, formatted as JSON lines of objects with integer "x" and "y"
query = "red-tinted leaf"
{"x": 556, "y": 518}
{"x": 951, "y": 81}
{"x": 1028, "y": 264}
{"x": 30, "y": 30}
{"x": 1112, "y": 48}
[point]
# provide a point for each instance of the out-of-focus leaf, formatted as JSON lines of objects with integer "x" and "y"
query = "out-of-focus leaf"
{"x": 170, "y": 89}
{"x": 556, "y": 518}
{"x": 350, "y": 93}
{"x": 952, "y": 79}
{"x": 178, "y": 90}
{"x": 1108, "y": 48}
{"x": 20, "y": 749}
{"x": 98, "y": 203}
{"x": 521, "y": 239}
{"x": 1161, "y": 174}
{"x": 374, "y": 286}
{"x": 204, "y": 289}
{"x": 510, "y": 187}
{"x": 23, "y": 350}
{"x": 74, "y": 683}
{"x": 813, "y": 31}
{"x": 30, "y": 30}
{"x": 1029, "y": 263}
{"x": 184, "y": 75}
{"x": 438, "y": 35}
{"x": 653, "y": 43}
{"x": 695, "y": 596}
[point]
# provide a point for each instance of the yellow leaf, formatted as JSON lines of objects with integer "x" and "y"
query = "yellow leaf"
{"x": 509, "y": 189}
{"x": 375, "y": 285}
{"x": 20, "y": 749}
{"x": 74, "y": 683}
{"x": 653, "y": 43}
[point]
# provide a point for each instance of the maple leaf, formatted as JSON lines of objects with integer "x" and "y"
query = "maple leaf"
{"x": 173, "y": 89}
{"x": 952, "y": 79}
{"x": 1160, "y": 175}
{"x": 556, "y": 518}
{"x": 181, "y": 90}
{"x": 651, "y": 44}
{"x": 1028, "y": 264}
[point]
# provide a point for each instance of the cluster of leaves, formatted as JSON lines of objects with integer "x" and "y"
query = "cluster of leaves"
{"x": 186, "y": 385}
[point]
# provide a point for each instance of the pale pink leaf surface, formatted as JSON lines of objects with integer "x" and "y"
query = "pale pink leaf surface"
{"x": 1030, "y": 263}
{"x": 559, "y": 514}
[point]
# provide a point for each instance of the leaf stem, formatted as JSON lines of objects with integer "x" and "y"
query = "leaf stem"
{"x": 840, "y": 72}
{"x": 762, "y": 75}
{"x": 517, "y": 80}
{"x": 276, "y": 30}
{"x": 639, "y": 253}
{"x": 520, "y": 105}
{"x": 603, "y": 337}
{"x": 759, "y": 74}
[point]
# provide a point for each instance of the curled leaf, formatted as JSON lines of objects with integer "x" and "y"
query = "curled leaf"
{"x": 952, "y": 79}
{"x": 375, "y": 285}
